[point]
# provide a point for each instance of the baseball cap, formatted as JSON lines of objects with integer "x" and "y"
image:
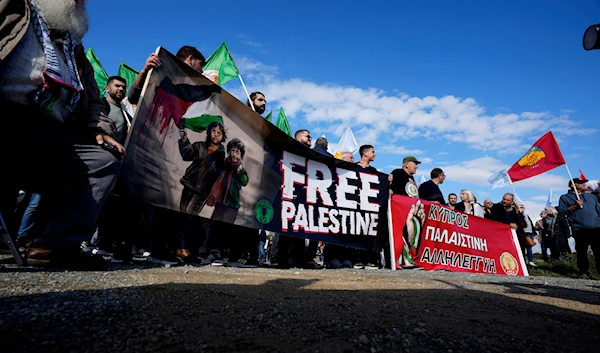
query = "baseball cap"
{"x": 578, "y": 181}
{"x": 410, "y": 159}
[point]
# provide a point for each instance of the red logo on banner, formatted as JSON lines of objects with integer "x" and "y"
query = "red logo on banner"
{"x": 509, "y": 264}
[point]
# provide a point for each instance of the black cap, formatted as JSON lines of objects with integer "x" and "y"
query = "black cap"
{"x": 578, "y": 181}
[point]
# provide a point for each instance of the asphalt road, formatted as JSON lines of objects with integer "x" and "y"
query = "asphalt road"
{"x": 218, "y": 309}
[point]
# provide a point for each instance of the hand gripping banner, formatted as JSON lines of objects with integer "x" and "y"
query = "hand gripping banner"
{"x": 434, "y": 237}
{"x": 196, "y": 149}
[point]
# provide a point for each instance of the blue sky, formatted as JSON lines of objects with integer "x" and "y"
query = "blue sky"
{"x": 466, "y": 86}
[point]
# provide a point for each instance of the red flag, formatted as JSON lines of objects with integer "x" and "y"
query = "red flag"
{"x": 543, "y": 156}
{"x": 581, "y": 176}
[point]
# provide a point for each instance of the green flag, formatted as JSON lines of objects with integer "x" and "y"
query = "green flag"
{"x": 282, "y": 123}
{"x": 199, "y": 123}
{"x": 99, "y": 73}
{"x": 128, "y": 73}
{"x": 220, "y": 67}
{"x": 269, "y": 117}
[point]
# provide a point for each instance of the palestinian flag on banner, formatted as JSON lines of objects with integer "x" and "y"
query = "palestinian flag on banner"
{"x": 183, "y": 105}
{"x": 282, "y": 123}
{"x": 220, "y": 67}
{"x": 195, "y": 118}
{"x": 128, "y": 73}
{"x": 100, "y": 74}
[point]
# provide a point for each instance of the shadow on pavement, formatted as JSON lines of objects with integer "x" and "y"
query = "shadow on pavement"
{"x": 287, "y": 315}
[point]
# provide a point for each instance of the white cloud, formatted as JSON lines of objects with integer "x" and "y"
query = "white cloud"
{"x": 400, "y": 150}
{"x": 392, "y": 117}
{"x": 539, "y": 198}
{"x": 385, "y": 118}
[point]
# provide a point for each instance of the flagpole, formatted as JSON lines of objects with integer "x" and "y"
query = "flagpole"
{"x": 572, "y": 183}
{"x": 246, "y": 90}
{"x": 515, "y": 193}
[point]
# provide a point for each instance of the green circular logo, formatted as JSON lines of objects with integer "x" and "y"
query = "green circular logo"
{"x": 263, "y": 211}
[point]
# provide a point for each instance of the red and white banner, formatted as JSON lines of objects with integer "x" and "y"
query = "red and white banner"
{"x": 434, "y": 237}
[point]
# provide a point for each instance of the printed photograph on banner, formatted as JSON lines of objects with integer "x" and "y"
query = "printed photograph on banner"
{"x": 198, "y": 150}
{"x": 433, "y": 237}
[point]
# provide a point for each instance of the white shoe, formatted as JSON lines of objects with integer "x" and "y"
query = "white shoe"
{"x": 101, "y": 252}
{"x": 532, "y": 264}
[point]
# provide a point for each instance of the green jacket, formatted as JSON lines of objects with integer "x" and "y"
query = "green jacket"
{"x": 238, "y": 180}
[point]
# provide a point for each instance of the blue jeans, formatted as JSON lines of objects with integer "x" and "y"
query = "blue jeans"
{"x": 261, "y": 251}
{"x": 529, "y": 249}
{"x": 29, "y": 216}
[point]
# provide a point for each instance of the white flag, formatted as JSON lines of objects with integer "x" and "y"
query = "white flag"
{"x": 347, "y": 144}
{"x": 500, "y": 179}
{"x": 422, "y": 179}
{"x": 518, "y": 200}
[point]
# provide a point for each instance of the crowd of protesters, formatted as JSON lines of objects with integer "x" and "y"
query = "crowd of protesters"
{"x": 70, "y": 161}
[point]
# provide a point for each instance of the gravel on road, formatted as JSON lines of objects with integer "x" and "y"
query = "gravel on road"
{"x": 222, "y": 309}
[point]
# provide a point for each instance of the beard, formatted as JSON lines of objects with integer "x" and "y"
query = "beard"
{"x": 260, "y": 108}
{"x": 65, "y": 16}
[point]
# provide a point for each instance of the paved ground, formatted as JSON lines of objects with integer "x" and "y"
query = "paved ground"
{"x": 218, "y": 309}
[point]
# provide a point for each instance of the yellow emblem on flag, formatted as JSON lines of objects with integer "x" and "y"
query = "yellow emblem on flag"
{"x": 532, "y": 157}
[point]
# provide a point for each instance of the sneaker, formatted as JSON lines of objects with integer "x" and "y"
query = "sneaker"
{"x": 359, "y": 266}
{"x": 215, "y": 258}
{"x": 530, "y": 263}
{"x": 334, "y": 264}
{"x": 371, "y": 266}
{"x": 139, "y": 252}
{"x": 100, "y": 252}
{"x": 86, "y": 247}
{"x": 163, "y": 258}
{"x": 239, "y": 264}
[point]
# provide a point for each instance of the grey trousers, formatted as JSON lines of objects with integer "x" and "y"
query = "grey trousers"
{"x": 65, "y": 165}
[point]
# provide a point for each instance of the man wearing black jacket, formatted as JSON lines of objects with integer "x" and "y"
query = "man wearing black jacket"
{"x": 430, "y": 190}
{"x": 504, "y": 212}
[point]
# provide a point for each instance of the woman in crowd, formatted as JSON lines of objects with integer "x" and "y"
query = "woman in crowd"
{"x": 469, "y": 204}
{"x": 556, "y": 234}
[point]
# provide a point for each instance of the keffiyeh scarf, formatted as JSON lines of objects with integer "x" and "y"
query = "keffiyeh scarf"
{"x": 53, "y": 73}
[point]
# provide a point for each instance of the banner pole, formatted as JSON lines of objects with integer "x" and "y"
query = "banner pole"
{"x": 572, "y": 183}
{"x": 391, "y": 235}
{"x": 246, "y": 90}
